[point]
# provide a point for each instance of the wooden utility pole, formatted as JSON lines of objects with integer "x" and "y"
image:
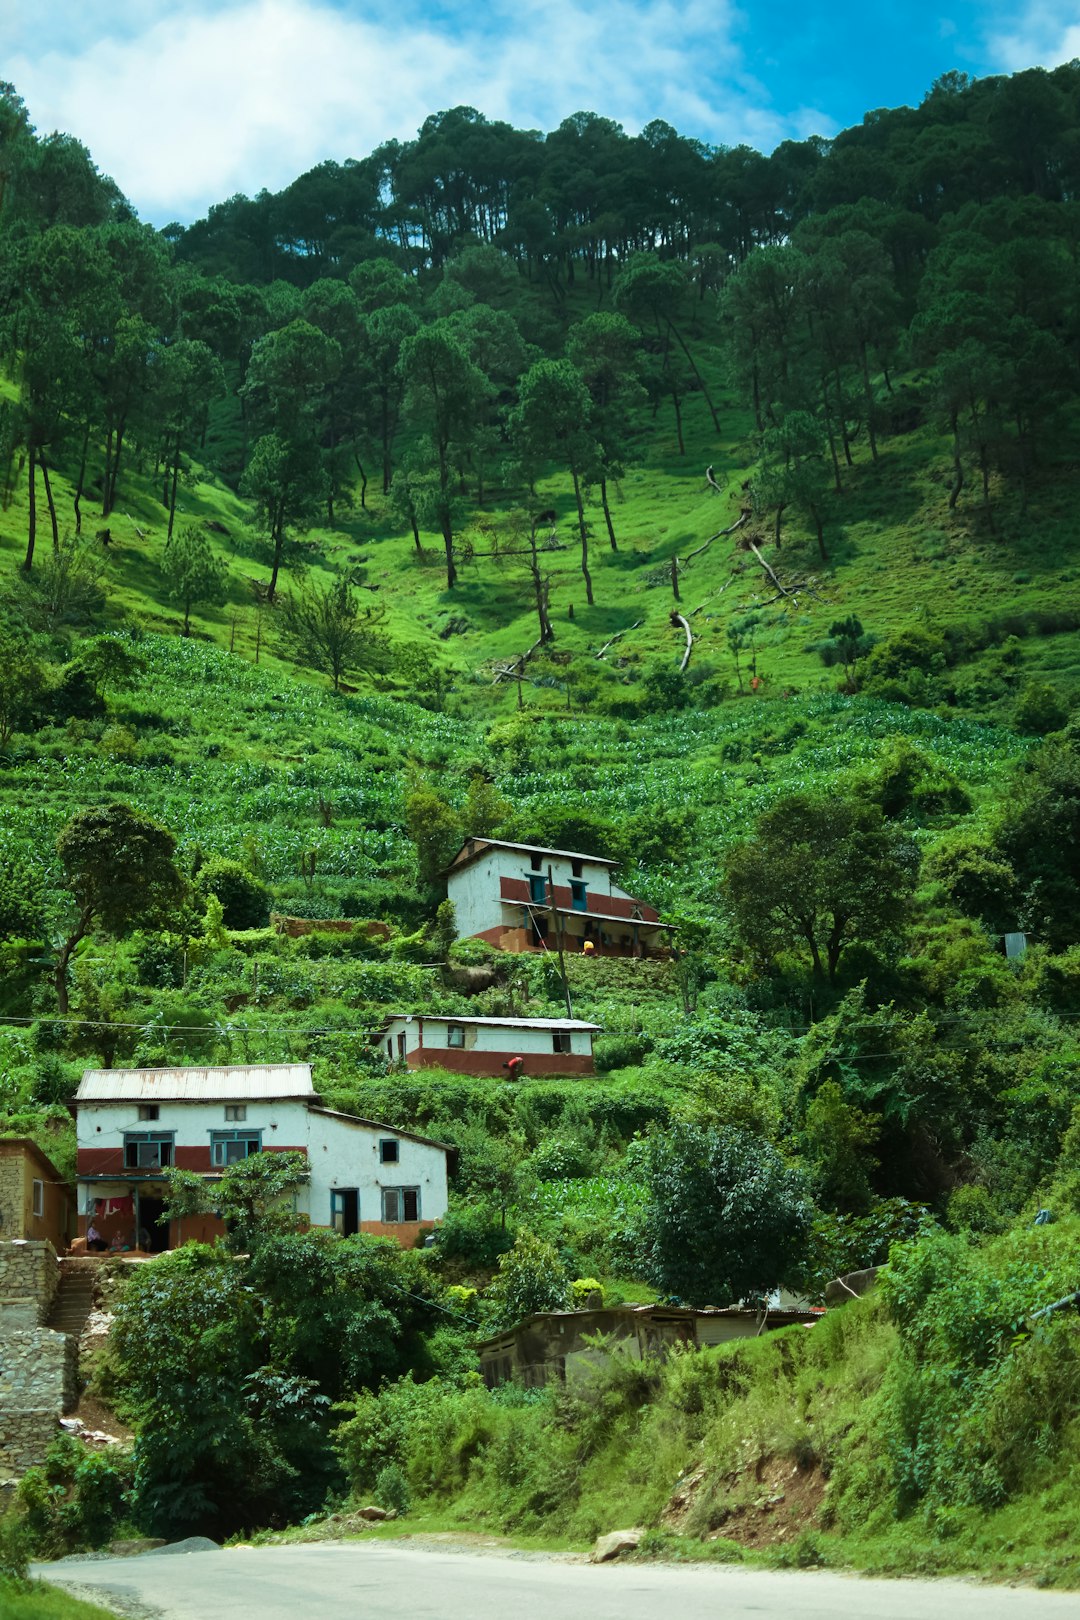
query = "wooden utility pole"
{"x": 553, "y": 913}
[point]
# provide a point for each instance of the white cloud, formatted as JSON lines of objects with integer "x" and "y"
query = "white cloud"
{"x": 184, "y": 104}
{"x": 1039, "y": 35}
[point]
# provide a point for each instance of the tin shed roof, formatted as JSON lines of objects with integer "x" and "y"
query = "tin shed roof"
{"x": 234, "y": 1082}
{"x": 495, "y": 1023}
{"x": 475, "y": 846}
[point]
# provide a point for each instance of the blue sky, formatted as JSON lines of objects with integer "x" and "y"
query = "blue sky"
{"x": 185, "y": 102}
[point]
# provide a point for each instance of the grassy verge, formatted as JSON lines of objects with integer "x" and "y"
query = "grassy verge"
{"x": 930, "y": 1429}
{"x": 39, "y": 1601}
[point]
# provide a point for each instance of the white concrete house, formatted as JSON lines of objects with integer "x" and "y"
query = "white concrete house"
{"x": 490, "y": 1045}
{"x": 522, "y": 897}
{"x": 133, "y": 1123}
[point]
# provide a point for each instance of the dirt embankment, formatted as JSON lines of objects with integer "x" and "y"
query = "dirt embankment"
{"x": 773, "y": 1501}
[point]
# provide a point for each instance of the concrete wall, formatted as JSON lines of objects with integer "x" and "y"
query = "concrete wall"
{"x": 38, "y": 1372}
{"x": 487, "y": 1047}
{"x": 343, "y": 1155}
{"x": 476, "y": 889}
{"x": 100, "y": 1129}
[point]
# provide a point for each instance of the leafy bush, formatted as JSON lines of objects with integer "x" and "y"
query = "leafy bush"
{"x": 245, "y": 899}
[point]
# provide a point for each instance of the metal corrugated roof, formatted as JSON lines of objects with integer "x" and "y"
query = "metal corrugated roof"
{"x": 501, "y": 1023}
{"x": 481, "y": 844}
{"x": 239, "y": 1082}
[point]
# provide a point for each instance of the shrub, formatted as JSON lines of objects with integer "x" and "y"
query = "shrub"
{"x": 245, "y": 899}
{"x": 1039, "y": 709}
{"x": 392, "y": 1489}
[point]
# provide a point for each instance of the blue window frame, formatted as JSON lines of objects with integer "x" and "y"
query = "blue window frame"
{"x": 537, "y": 888}
{"x": 578, "y": 900}
{"x": 148, "y": 1150}
{"x": 229, "y": 1147}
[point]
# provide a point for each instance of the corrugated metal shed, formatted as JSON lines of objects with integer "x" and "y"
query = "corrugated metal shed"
{"x": 498, "y": 1023}
{"x": 239, "y": 1082}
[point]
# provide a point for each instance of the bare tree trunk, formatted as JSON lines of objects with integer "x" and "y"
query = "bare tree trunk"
{"x": 77, "y": 498}
{"x": 49, "y": 500}
{"x": 584, "y": 533}
{"x": 172, "y": 493}
{"x": 868, "y": 394}
{"x": 958, "y": 463}
{"x": 31, "y": 534}
{"x": 607, "y": 514}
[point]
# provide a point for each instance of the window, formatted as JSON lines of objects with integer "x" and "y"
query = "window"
{"x": 560, "y": 1040}
{"x": 455, "y": 1035}
{"x": 388, "y": 1150}
{"x": 575, "y": 868}
{"x": 149, "y": 1111}
{"x": 401, "y": 1045}
{"x": 390, "y": 1049}
{"x": 577, "y": 895}
{"x": 39, "y": 1198}
{"x": 229, "y": 1147}
{"x": 400, "y": 1204}
{"x": 540, "y": 929}
{"x": 236, "y": 1112}
{"x": 536, "y": 862}
{"x": 148, "y": 1150}
{"x": 537, "y": 888}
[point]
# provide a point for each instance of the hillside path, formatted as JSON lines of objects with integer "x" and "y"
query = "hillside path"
{"x": 383, "y": 1581}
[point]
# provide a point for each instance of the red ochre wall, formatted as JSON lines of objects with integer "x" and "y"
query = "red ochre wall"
{"x": 465, "y": 1061}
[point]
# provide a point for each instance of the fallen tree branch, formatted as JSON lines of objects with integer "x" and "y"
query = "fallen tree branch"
{"x": 677, "y": 619}
{"x": 709, "y": 479}
{"x": 618, "y": 636}
{"x": 511, "y": 671}
{"x": 782, "y": 589}
{"x": 730, "y": 579}
{"x": 743, "y": 517}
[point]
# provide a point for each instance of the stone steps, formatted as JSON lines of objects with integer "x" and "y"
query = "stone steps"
{"x": 74, "y": 1298}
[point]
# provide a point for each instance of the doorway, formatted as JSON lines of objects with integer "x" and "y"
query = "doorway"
{"x": 152, "y": 1221}
{"x": 346, "y": 1211}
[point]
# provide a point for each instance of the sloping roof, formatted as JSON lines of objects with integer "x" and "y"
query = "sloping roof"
{"x": 234, "y": 1082}
{"x": 25, "y": 1145}
{"x": 381, "y": 1125}
{"x": 478, "y": 845}
{"x": 500, "y": 1023}
{"x": 669, "y": 1313}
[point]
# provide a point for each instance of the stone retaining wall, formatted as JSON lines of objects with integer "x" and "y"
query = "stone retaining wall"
{"x": 38, "y": 1381}
{"x": 29, "y": 1278}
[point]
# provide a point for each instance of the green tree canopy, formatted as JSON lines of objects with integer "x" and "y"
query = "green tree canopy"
{"x": 119, "y": 868}
{"x": 725, "y": 1217}
{"x": 819, "y": 872}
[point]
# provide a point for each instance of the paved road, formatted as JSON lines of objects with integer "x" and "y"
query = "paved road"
{"x": 383, "y": 1581}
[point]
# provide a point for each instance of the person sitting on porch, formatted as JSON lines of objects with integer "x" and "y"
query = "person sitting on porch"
{"x": 94, "y": 1239}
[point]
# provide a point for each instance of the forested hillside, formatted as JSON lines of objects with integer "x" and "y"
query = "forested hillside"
{"x": 710, "y": 511}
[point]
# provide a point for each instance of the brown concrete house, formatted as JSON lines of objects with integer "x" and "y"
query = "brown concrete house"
{"x": 552, "y": 1346}
{"x": 35, "y": 1200}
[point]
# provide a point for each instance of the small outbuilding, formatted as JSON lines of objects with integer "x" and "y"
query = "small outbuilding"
{"x": 489, "y": 1046}
{"x": 552, "y": 1346}
{"x": 36, "y": 1202}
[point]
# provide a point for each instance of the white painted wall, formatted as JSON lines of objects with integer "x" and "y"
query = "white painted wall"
{"x": 475, "y": 889}
{"x": 102, "y": 1125}
{"x": 480, "y": 1038}
{"x": 344, "y": 1155}
{"x": 340, "y": 1154}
